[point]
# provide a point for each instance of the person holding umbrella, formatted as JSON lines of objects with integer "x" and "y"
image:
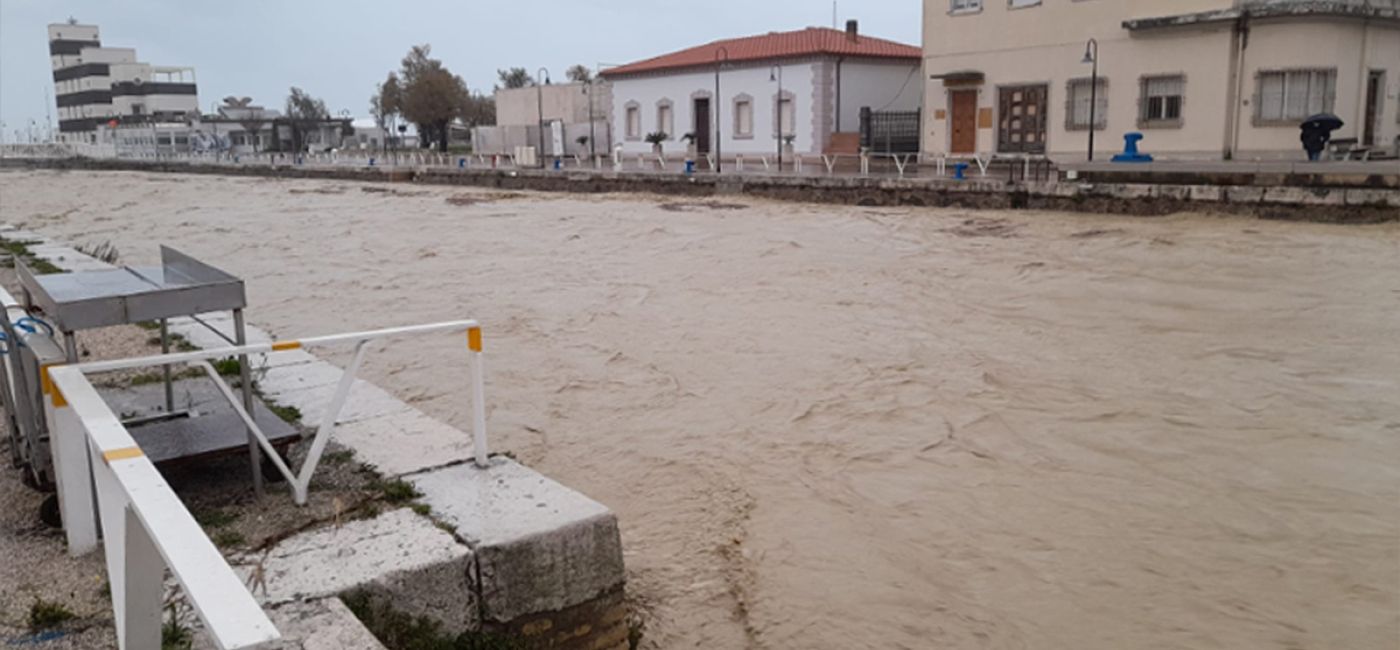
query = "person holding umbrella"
{"x": 1317, "y": 132}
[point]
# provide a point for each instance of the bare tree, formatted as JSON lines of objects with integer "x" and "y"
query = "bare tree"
{"x": 304, "y": 111}
{"x": 386, "y": 104}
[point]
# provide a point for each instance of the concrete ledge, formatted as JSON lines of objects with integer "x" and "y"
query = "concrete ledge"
{"x": 404, "y": 442}
{"x": 540, "y": 547}
{"x": 398, "y": 554}
{"x": 1118, "y": 193}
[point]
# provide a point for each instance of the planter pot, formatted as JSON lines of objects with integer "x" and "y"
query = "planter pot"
{"x": 657, "y": 149}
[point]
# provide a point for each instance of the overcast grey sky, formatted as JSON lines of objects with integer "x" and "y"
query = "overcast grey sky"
{"x": 338, "y": 50}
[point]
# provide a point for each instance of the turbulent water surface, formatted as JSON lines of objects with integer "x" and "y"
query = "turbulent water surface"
{"x": 840, "y": 427}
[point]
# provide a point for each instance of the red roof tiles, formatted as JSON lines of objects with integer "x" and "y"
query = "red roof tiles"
{"x": 813, "y": 41}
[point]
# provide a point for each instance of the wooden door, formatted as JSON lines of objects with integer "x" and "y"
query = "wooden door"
{"x": 1021, "y": 123}
{"x": 1373, "y": 107}
{"x": 703, "y": 126}
{"x": 962, "y": 127}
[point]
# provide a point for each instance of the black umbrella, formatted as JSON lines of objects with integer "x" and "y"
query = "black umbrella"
{"x": 1323, "y": 122}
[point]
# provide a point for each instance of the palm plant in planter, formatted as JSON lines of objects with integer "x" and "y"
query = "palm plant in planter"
{"x": 655, "y": 138}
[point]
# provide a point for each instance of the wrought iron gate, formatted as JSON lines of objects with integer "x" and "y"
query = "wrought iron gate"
{"x": 889, "y": 131}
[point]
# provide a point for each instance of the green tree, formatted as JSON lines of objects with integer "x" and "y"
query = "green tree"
{"x": 515, "y": 78}
{"x": 304, "y": 112}
{"x": 579, "y": 74}
{"x": 431, "y": 97}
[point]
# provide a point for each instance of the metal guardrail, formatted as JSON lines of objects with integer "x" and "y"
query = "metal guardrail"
{"x": 301, "y": 480}
{"x": 145, "y": 528}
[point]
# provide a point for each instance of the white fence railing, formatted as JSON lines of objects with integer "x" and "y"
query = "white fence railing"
{"x": 145, "y": 528}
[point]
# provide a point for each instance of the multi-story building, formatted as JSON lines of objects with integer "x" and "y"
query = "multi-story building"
{"x": 1201, "y": 79}
{"x": 95, "y": 85}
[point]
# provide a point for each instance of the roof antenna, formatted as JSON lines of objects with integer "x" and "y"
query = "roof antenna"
{"x": 72, "y": 20}
{"x": 833, "y": 14}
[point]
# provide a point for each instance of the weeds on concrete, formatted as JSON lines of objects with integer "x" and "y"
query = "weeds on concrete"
{"x": 399, "y": 630}
{"x": 20, "y": 250}
{"x": 289, "y": 414}
{"x": 340, "y": 457}
{"x": 47, "y": 615}
{"x": 396, "y": 491}
{"x": 105, "y": 252}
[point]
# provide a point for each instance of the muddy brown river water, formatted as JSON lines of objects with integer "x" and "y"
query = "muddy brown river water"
{"x": 840, "y": 427}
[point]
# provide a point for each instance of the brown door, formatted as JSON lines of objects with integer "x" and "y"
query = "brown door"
{"x": 1373, "y": 106}
{"x": 1021, "y": 123}
{"x": 963, "y": 122}
{"x": 703, "y": 126}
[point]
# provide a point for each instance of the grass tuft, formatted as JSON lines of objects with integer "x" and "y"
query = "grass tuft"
{"x": 399, "y": 630}
{"x": 396, "y": 491}
{"x": 47, "y": 615}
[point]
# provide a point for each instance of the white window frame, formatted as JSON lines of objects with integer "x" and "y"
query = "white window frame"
{"x": 1146, "y": 118}
{"x": 1022, "y": 4}
{"x": 789, "y": 99}
{"x": 743, "y": 107}
{"x": 632, "y": 120}
{"x": 964, "y": 6}
{"x": 1325, "y": 103}
{"x": 1072, "y": 99}
{"x": 666, "y": 118}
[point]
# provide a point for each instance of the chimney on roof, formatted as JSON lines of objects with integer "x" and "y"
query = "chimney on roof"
{"x": 853, "y": 31}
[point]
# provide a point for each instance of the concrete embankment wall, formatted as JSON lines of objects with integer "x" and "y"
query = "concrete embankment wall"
{"x": 1282, "y": 202}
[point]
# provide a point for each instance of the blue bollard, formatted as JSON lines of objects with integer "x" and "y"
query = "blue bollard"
{"x": 558, "y": 164}
{"x": 1130, "y": 150}
{"x": 960, "y": 171}
{"x": 690, "y": 168}
{"x": 461, "y": 163}
{"x": 371, "y": 162}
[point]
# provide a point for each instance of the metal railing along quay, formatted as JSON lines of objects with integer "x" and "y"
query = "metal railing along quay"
{"x": 106, "y": 483}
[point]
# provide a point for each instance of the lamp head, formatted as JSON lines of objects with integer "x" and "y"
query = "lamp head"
{"x": 1091, "y": 52}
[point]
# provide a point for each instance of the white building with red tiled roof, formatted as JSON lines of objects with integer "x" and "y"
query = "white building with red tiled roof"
{"x": 727, "y": 93}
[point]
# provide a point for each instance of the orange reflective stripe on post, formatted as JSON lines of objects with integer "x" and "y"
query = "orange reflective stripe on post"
{"x": 474, "y": 339}
{"x": 47, "y": 386}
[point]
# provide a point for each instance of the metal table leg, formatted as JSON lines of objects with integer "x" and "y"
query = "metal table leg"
{"x": 245, "y": 376}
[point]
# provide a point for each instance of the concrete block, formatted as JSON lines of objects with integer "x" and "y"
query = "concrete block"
{"x": 290, "y": 378}
{"x": 321, "y": 624}
{"x": 1363, "y": 196}
{"x": 398, "y": 555}
{"x": 1243, "y": 194}
{"x": 1207, "y": 193}
{"x": 1303, "y": 195}
{"x": 365, "y": 401}
{"x": 404, "y": 442}
{"x": 540, "y": 546}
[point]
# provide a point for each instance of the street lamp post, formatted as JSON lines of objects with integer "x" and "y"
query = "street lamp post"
{"x": 776, "y": 74}
{"x": 592, "y": 132}
{"x": 1091, "y": 56}
{"x": 719, "y": 133}
{"x": 539, "y": 100}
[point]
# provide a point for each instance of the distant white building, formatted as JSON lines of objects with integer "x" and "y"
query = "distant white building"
{"x": 809, "y": 85}
{"x": 106, "y": 86}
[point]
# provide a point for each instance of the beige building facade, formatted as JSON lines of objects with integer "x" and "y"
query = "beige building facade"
{"x": 1200, "y": 79}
